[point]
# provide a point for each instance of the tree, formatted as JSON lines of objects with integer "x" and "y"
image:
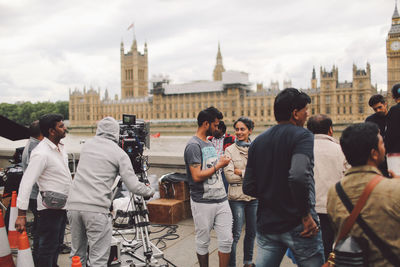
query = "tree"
{"x": 25, "y": 112}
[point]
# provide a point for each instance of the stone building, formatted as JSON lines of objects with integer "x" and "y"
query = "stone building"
{"x": 393, "y": 54}
{"x": 345, "y": 102}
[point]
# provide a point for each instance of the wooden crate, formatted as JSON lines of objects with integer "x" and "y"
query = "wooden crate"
{"x": 179, "y": 190}
{"x": 188, "y": 209}
{"x": 166, "y": 211}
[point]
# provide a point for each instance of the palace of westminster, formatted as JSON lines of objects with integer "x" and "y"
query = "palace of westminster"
{"x": 344, "y": 102}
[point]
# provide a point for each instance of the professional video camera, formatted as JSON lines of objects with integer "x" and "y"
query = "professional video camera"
{"x": 133, "y": 137}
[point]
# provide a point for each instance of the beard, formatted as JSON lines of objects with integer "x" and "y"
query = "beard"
{"x": 209, "y": 132}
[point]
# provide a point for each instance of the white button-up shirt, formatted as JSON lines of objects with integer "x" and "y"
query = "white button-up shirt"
{"x": 48, "y": 166}
{"x": 329, "y": 167}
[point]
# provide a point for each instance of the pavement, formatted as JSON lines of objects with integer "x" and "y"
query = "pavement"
{"x": 179, "y": 249}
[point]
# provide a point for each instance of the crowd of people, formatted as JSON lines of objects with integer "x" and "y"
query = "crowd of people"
{"x": 281, "y": 186}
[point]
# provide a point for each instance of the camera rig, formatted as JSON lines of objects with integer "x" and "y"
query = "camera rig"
{"x": 134, "y": 136}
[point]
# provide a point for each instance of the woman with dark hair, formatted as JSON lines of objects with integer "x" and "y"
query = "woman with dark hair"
{"x": 392, "y": 137}
{"x": 244, "y": 208}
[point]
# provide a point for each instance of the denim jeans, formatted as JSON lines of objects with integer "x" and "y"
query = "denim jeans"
{"x": 51, "y": 228}
{"x": 308, "y": 252}
{"x": 328, "y": 234}
{"x": 243, "y": 211}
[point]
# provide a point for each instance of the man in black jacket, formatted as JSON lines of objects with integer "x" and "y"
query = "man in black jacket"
{"x": 380, "y": 107}
{"x": 279, "y": 173}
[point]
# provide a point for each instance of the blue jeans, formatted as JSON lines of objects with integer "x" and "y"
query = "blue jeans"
{"x": 51, "y": 228}
{"x": 308, "y": 252}
{"x": 243, "y": 211}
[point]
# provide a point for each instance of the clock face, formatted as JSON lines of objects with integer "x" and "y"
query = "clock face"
{"x": 395, "y": 46}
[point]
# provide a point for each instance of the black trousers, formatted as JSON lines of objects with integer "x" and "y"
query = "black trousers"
{"x": 327, "y": 232}
{"x": 51, "y": 227}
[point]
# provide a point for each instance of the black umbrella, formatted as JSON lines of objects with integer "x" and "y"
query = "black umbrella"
{"x": 12, "y": 130}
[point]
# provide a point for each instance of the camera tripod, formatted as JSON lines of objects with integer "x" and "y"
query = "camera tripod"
{"x": 145, "y": 253}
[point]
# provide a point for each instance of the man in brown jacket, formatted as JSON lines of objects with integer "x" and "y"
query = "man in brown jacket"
{"x": 364, "y": 150}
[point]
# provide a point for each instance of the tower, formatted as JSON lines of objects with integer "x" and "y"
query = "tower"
{"x": 219, "y": 68}
{"x": 393, "y": 51}
{"x": 314, "y": 79}
{"x": 134, "y": 72}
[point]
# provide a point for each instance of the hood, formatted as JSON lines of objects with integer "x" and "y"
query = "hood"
{"x": 108, "y": 128}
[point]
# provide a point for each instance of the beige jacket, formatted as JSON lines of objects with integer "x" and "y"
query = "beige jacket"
{"x": 329, "y": 167}
{"x": 239, "y": 160}
{"x": 381, "y": 211}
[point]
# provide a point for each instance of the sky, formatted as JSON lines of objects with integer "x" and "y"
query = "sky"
{"x": 48, "y": 47}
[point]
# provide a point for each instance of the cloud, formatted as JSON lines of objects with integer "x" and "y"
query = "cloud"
{"x": 51, "y": 46}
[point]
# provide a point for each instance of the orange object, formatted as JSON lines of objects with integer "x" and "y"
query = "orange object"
{"x": 76, "y": 261}
{"x": 6, "y": 259}
{"x": 23, "y": 241}
{"x": 24, "y": 258}
{"x": 156, "y": 135}
{"x": 12, "y": 232}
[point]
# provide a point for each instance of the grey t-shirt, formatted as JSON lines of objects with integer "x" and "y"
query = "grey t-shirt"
{"x": 212, "y": 189}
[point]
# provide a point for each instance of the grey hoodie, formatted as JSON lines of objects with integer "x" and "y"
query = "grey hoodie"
{"x": 100, "y": 162}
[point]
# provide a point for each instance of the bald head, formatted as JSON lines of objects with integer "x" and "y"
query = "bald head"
{"x": 320, "y": 124}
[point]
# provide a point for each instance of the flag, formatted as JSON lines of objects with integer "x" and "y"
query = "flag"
{"x": 130, "y": 27}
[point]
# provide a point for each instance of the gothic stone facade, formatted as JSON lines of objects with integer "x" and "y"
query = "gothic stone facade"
{"x": 345, "y": 102}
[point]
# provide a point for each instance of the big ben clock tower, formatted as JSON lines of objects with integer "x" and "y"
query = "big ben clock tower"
{"x": 393, "y": 51}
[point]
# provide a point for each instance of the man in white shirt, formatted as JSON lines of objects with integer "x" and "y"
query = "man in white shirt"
{"x": 329, "y": 167}
{"x": 48, "y": 167}
{"x": 35, "y": 137}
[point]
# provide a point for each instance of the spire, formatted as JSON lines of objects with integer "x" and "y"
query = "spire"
{"x": 219, "y": 56}
{"x": 219, "y": 67}
{"x": 314, "y": 76}
{"x": 395, "y": 13}
{"x": 395, "y": 27}
{"x": 134, "y": 44}
{"x": 145, "y": 47}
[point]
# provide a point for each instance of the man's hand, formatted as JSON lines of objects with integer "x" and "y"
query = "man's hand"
{"x": 20, "y": 223}
{"x": 392, "y": 174}
{"x": 151, "y": 194}
{"x": 223, "y": 161}
{"x": 237, "y": 172}
{"x": 310, "y": 227}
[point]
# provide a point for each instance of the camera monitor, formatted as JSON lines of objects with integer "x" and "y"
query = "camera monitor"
{"x": 128, "y": 119}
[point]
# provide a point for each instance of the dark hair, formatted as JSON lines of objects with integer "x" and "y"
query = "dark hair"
{"x": 222, "y": 127}
{"x": 49, "y": 121}
{"x": 319, "y": 124}
{"x": 249, "y": 123}
{"x": 396, "y": 90}
{"x": 358, "y": 140}
{"x": 209, "y": 114}
{"x": 34, "y": 129}
{"x": 375, "y": 99}
{"x": 287, "y": 101}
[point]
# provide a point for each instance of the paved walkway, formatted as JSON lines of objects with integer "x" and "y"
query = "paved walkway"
{"x": 181, "y": 251}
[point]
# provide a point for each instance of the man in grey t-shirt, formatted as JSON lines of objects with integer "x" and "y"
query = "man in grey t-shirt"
{"x": 209, "y": 203}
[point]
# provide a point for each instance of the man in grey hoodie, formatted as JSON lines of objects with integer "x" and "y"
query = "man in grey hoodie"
{"x": 89, "y": 201}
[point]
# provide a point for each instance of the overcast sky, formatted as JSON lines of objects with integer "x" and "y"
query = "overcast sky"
{"x": 47, "y": 46}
